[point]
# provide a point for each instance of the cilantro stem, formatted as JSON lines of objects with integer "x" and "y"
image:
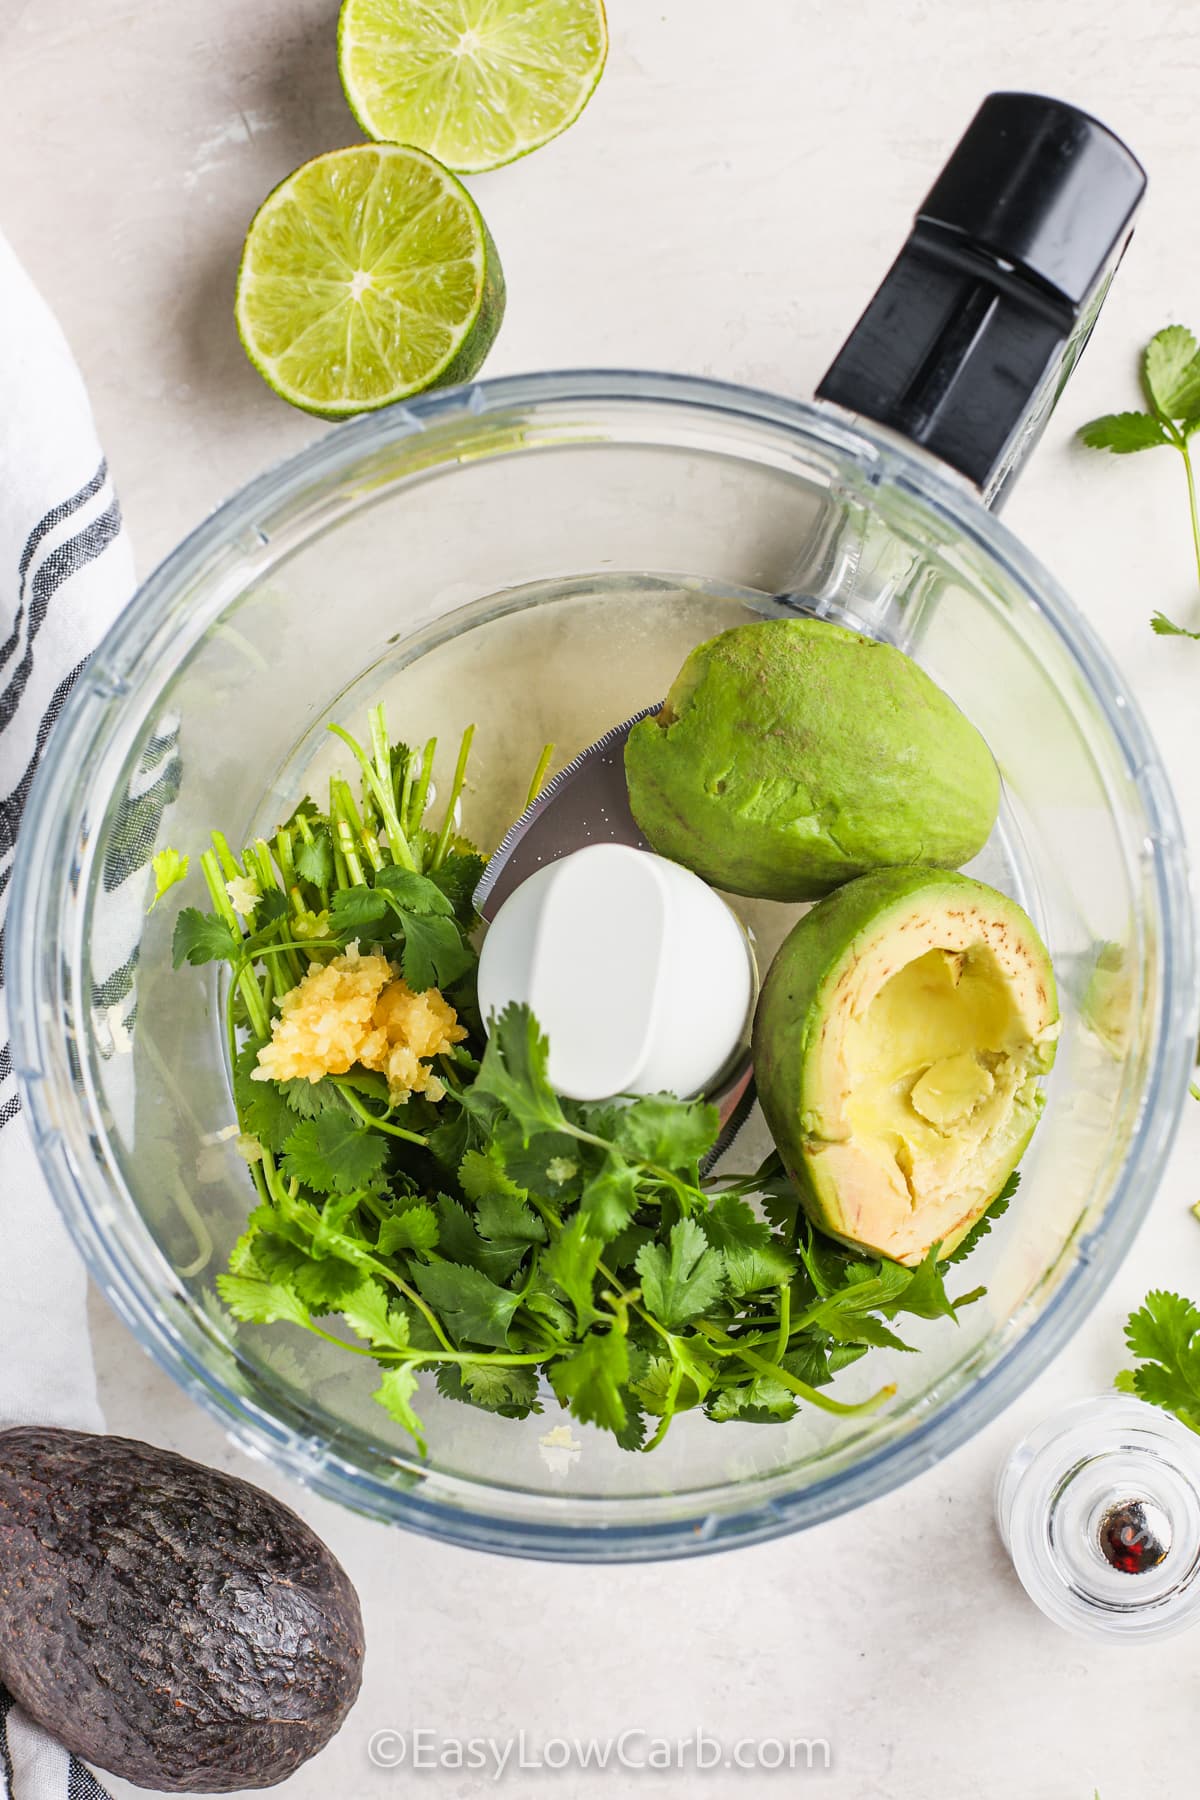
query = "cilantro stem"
{"x": 381, "y": 791}
{"x": 501, "y": 1359}
{"x": 674, "y": 1382}
{"x": 539, "y": 775}
{"x": 344, "y": 818}
{"x": 459, "y": 783}
{"x": 1185, "y": 451}
{"x": 228, "y": 861}
{"x": 420, "y": 796}
{"x": 813, "y": 1395}
{"x": 785, "y": 1322}
{"x": 369, "y": 1118}
{"x": 260, "y": 853}
{"x": 247, "y": 981}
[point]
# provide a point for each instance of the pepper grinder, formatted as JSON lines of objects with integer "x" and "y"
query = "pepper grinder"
{"x": 1099, "y": 1508}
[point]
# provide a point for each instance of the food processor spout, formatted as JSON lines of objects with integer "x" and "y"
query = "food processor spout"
{"x": 968, "y": 343}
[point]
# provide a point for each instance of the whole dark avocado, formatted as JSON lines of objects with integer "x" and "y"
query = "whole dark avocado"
{"x": 168, "y": 1622}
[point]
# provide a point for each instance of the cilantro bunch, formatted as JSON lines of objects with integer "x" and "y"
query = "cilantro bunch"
{"x": 512, "y": 1243}
{"x": 532, "y": 1236}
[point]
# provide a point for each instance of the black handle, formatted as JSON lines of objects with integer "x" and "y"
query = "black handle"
{"x": 983, "y": 315}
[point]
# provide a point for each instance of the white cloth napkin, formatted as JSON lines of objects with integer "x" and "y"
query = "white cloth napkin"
{"x": 65, "y": 572}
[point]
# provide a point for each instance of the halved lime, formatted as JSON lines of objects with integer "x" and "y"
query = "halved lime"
{"x": 475, "y": 82}
{"x": 367, "y": 276}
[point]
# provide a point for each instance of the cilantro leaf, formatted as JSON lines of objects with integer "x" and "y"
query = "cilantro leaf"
{"x": 548, "y": 1163}
{"x": 666, "y": 1385}
{"x": 458, "y": 878}
{"x": 658, "y": 1128}
{"x": 753, "y": 1259}
{"x": 816, "y": 1359}
{"x": 321, "y": 1282}
{"x": 413, "y": 1228}
{"x": 514, "y": 1071}
{"x": 1124, "y": 433}
{"x": 334, "y": 1153}
{"x": 512, "y": 1392}
{"x": 1171, "y": 373}
{"x": 408, "y": 892}
{"x": 609, "y": 1198}
{"x": 572, "y": 1262}
{"x": 269, "y": 910}
{"x": 541, "y": 1299}
{"x": 473, "y": 1308}
{"x": 622, "y": 1252}
{"x": 394, "y": 1394}
{"x": 683, "y": 1282}
{"x": 505, "y": 1219}
{"x": 261, "y": 1302}
{"x": 925, "y": 1294}
{"x": 202, "y": 938}
{"x": 356, "y": 909}
{"x": 434, "y": 954}
{"x": 986, "y": 1220}
{"x": 308, "y": 1099}
{"x": 314, "y": 861}
{"x": 867, "y": 1287}
{"x": 368, "y": 1312}
{"x": 459, "y": 1241}
{"x": 1165, "y": 627}
{"x": 590, "y": 1380}
{"x": 169, "y": 867}
{"x": 481, "y": 1173}
{"x": 762, "y": 1401}
{"x": 262, "y": 1110}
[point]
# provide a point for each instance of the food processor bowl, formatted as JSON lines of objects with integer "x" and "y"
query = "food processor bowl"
{"x": 537, "y": 554}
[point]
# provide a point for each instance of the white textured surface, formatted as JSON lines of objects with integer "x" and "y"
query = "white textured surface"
{"x": 726, "y": 204}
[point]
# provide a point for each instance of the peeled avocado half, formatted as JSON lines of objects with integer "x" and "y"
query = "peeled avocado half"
{"x": 898, "y": 1043}
{"x": 792, "y": 755}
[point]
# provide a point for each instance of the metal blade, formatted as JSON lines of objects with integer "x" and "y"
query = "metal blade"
{"x": 586, "y": 803}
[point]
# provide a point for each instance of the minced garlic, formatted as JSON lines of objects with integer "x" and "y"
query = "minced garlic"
{"x": 356, "y": 1011}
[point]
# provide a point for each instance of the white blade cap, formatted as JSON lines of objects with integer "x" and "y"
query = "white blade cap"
{"x": 638, "y": 973}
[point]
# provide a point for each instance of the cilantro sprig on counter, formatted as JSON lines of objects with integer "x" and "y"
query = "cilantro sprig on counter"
{"x": 510, "y": 1242}
{"x": 1171, "y": 382}
{"x": 1165, "y": 1333}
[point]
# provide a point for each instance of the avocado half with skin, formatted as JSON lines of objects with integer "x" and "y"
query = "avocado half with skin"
{"x": 898, "y": 1044}
{"x": 793, "y": 755}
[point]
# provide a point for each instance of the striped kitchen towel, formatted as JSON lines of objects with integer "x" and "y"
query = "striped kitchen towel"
{"x": 65, "y": 572}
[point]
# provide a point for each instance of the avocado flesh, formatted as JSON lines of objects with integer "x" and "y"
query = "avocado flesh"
{"x": 793, "y": 755}
{"x": 899, "y": 1041}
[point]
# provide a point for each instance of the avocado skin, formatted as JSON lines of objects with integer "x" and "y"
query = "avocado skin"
{"x": 168, "y": 1622}
{"x": 793, "y": 755}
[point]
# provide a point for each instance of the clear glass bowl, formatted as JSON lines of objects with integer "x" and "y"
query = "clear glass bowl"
{"x": 538, "y": 553}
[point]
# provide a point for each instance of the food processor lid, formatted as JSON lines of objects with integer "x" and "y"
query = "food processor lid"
{"x": 966, "y": 345}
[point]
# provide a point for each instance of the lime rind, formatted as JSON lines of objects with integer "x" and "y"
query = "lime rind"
{"x": 477, "y": 83}
{"x": 367, "y": 275}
